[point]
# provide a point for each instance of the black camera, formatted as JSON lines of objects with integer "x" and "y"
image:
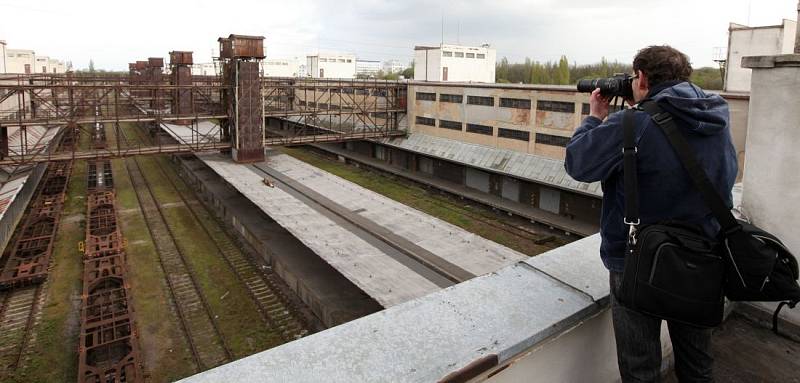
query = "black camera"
{"x": 620, "y": 85}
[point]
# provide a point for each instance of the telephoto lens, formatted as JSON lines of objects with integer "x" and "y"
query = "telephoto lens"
{"x": 620, "y": 85}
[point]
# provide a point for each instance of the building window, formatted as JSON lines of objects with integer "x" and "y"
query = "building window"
{"x": 349, "y": 60}
{"x": 611, "y": 109}
{"x": 426, "y": 96}
{"x": 470, "y": 55}
{"x": 480, "y": 129}
{"x": 481, "y": 56}
{"x": 556, "y": 106}
{"x": 426, "y": 121}
{"x": 480, "y": 100}
{"x": 447, "y": 54}
{"x": 456, "y": 98}
{"x": 518, "y": 103}
{"x": 549, "y": 139}
{"x": 454, "y": 125}
{"x": 460, "y": 54}
{"x": 514, "y": 134}
{"x": 323, "y": 60}
{"x": 342, "y": 60}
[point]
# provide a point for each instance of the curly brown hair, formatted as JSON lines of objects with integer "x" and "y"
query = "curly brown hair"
{"x": 662, "y": 63}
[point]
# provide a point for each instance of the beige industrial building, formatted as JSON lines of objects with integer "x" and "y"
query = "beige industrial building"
{"x": 754, "y": 41}
{"x": 455, "y": 63}
{"x": 533, "y": 119}
{"x": 27, "y": 61}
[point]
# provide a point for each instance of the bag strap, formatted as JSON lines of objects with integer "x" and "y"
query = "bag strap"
{"x": 712, "y": 199}
{"x": 629, "y": 169}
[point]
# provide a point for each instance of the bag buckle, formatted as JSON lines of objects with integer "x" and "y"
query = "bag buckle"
{"x": 632, "y": 230}
{"x": 662, "y": 118}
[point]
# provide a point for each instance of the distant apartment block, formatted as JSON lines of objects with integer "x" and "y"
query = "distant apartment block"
{"x": 455, "y": 63}
{"x": 394, "y": 66}
{"x": 754, "y": 41}
{"x": 331, "y": 66}
{"x": 204, "y": 69}
{"x": 368, "y": 68}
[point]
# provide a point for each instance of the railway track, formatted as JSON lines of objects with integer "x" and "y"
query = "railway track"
{"x": 274, "y": 307}
{"x": 207, "y": 344}
{"x": 19, "y": 312}
{"x": 517, "y": 231}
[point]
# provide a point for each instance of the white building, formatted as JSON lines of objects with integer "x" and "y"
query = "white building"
{"x": 394, "y": 66}
{"x": 367, "y": 68}
{"x": 42, "y": 63}
{"x": 280, "y": 67}
{"x": 456, "y": 63}
{"x": 20, "y": 61}
{"x": 301, "y": 71}
{"x": 204, "y": 69}
{"x": 754, "y": 41}
{"x": 331, "y": 66}
{"x": 2, "y": 56}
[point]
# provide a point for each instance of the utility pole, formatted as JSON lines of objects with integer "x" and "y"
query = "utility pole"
{"x": 797, "y": 34}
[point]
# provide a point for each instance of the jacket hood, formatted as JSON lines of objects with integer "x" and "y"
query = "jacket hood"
{"x": 701, "y": 113}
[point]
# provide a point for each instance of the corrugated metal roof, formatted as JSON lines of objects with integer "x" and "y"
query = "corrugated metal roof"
{"x": 521, "y": 165}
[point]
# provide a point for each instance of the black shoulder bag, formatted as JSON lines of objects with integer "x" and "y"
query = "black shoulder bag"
{"x": 759, "y": 267}
{"x": 745, "y": 262}
{"x": 672, "y": 270}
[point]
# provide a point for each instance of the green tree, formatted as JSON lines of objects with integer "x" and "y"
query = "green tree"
{"x": 501, "y": 73}
{"x": 91, "y": 66}
{"x": 563, "y": 71}
{"x": 409, "y": 72}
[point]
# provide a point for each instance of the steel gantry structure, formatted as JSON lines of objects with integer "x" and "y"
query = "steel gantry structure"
{"x": 237, "y": 110}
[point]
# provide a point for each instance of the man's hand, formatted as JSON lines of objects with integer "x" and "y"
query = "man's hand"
{"x": 598, "y": 105}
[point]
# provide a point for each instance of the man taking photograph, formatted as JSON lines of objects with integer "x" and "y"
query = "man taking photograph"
{"x": 666, "y": 193}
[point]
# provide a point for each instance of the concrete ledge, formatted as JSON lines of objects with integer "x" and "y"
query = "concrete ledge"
{"x": 771, "y": 61}
{"x": 479, "y": 324}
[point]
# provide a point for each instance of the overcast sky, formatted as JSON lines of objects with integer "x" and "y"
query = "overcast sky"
{"x": 114, "y": 33}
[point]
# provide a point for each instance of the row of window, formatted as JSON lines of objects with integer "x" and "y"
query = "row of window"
{"x": 505, "y": 102}
{"x": 611, "y": 109}
{"x": 464, "y": 55}
{"x": 520, "y": 135}
{"x": 324, "y": 60}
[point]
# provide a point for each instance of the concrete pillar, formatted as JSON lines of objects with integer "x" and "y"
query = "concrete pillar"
{"x": 771, "y": 185}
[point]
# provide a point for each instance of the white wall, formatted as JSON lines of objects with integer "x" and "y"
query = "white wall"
{"x": 755, "y": 41}
{"x": 331, "y": 66}
{"x": 42, "y": 64}
{"x": 280, "y": 67}
{"x": 17, "y": 58}
{"x": 427, "y": 64}
{"x": 771, "y": 187}
{"x": 462, "y": 64}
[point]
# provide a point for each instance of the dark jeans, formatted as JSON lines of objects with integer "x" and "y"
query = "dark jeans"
{"x": 639, "y": 344}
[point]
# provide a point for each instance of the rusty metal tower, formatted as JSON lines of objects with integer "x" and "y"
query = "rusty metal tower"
{"x": 240, "y": 56}
{"x": 181, "y": 75}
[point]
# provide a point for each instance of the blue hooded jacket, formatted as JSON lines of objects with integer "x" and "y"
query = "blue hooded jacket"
{"x": 665, "y": 190}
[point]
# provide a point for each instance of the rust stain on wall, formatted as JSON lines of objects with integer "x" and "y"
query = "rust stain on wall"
{"x": 521, "y": 116}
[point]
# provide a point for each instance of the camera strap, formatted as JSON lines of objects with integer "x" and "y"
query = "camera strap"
{"x": 631, "y": 180}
